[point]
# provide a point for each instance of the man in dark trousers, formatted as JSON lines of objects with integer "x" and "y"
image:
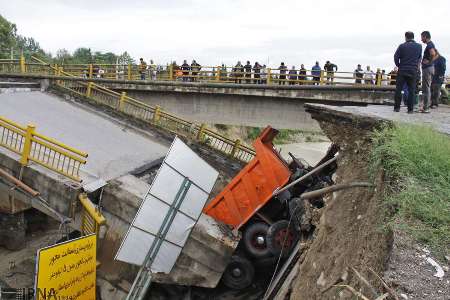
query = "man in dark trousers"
{"x": 257, "y": 73}
{"x": 185, "y": 67}
{"x": 438, "y": 80}
{"x": 283, "y": 70}
{"x": 407, "y": 59}
{"x": 248, "y": 72}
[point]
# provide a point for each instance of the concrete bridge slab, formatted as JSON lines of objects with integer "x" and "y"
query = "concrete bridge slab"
{"x": 114, "y": 149}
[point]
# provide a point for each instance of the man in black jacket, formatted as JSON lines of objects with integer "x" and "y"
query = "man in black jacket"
{"x": 407, "y": 59}
{"x": 248, "y": 72}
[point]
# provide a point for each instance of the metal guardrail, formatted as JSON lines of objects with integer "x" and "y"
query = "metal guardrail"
{"x": 147, "y": 113}
{"x": 45, "y": 151}
{"x": 91, "y": 217}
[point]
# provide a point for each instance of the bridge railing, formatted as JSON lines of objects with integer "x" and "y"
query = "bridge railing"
{"x": 225, "y": 74}
{"x": 43, "y": 150}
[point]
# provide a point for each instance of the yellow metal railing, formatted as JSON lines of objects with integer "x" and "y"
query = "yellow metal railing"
{"x": 91, "y": 217}
{"x": 45, "y": 151}
{"x": 152, "y": 114}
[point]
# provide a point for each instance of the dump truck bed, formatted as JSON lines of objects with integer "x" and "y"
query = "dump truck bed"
{"x": 253, "y": 186}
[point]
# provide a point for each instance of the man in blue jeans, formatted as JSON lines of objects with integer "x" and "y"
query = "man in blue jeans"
{"x": 429, "y": 56}
{"x": 407, "y": 59}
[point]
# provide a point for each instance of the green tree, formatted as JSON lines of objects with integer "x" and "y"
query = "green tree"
{"x": 125, "y": 59}
{"x": 8, "y": 35}
{"x": 82, "y": 56}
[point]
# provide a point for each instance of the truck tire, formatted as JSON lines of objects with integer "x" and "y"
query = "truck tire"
{"x": 239, "y": 273}
{"x": 255, "y": 240}
{"x": 276, "y": 238}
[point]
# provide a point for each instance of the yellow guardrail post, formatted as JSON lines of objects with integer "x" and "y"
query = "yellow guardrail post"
{"x": 322, "y": 77}
{"x": 236, "y": 145}
{"x": 156, "y": 114}
{"x": 218, "y": 70}
{"x": 171, "y": 72}
{"x": 22, "y": 64}
{"x": 129, "y": 72}
{"x": 122, "y": 101}
{"x": 89, "y": 89}
{"x": 269, "y": 75}
{"x": 91, "y": 70}
{"x": 27, "y": 145}
{"x": 93, "y": 213}
{"x": 200, "y": 132}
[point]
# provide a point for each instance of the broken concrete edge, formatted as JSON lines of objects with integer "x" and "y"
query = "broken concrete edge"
{"x": 207, "y": 84}
{"x": 225, "y": 163}
{"x": 321, "y": 112}
{"x": 60, "y": 192}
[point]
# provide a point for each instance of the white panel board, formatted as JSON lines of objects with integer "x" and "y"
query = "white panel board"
{"x": 180, "y": 163}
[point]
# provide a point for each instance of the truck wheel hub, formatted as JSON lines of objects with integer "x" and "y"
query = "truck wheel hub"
{"x": 237, "y": 272}
{"x": 260, "y": 240}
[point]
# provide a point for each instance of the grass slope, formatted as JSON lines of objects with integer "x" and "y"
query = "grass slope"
{"x": 416, "y": 161}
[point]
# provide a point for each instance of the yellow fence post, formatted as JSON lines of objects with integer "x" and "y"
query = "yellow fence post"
{"x": 200, "y": 132}
{"x": 89, "y": 89}
{"x": 269, "y": 75}
{"x": 236, "y": 145}
{"x": 156, "y": 114}
{"x": 91, "y": 70}
{"x": 171, "y": 72}
{"x": 122, "y": 101}
{"x": 219, "y": 70}
{"x": 22, "y": 64}
{"x": 129, "y": 72}
{"x": 322, "y": 77}
{"x": 27, "y": 145}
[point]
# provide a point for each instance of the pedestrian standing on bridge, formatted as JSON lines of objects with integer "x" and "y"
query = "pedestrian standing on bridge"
{"x": 283, "y": 70}
{"x": 358, "y": 74}
{"x": 238, "y": 72}
{"x": 302, "y": 78}
{"x": 248, "y": 72}
{"x": 195, "y": 68}
{"x": 438, "y": 80}
{"x": 292, "y": 76}
{"x": 257, "y": 73}
{"x": 185, "y": 67}
{"x": 369, "y": 76}
{"x": 384, "y": 78}
{"x": 407, "y": 59}
{"x": 316, "y": 70}
{"x": 429, "y": 56}
{"x": 142, "y": 68}
{"x": 393, "y": 76}
{"x": 264, "y": 74}
{"x": 330, "y": 68}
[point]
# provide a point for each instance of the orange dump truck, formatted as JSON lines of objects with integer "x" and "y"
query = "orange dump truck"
{"x": 247, "y": 204}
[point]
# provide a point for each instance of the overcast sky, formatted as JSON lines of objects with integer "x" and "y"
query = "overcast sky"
{"x": 347, "y": 32}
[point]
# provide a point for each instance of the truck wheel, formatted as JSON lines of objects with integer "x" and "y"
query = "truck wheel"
{"x": 279, "y": 234}
{"x": 239, "y": 273}
{"x": 255, "y": 236}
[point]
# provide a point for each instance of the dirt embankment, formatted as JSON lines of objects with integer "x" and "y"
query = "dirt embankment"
{"x": 350, "y": 234}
